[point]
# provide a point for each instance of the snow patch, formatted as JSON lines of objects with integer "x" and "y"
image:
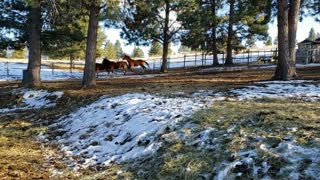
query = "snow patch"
{"x": 122, "y": 128}
{"x": 35, "y": 99}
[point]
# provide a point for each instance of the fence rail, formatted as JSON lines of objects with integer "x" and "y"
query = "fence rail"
{"x": 196, "y": 60}
{"x": 8, "y": 68}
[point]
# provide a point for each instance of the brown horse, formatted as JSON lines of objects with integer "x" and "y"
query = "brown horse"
{"x": 99, "y": 67}
{"x": 110, "y": 66}
{"x": 138, "y": 62}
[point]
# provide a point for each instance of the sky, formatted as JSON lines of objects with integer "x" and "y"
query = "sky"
{"x": 302, "y": 33}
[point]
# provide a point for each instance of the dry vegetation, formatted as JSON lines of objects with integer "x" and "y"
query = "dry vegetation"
{"x": 22, "y": 157}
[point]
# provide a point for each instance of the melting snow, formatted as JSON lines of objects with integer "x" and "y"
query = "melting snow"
{"x": 296, "y": 89}
{"x": 132, "y": 126}
{"x": 116, "y": 129}
{"x": 35, "y": 99}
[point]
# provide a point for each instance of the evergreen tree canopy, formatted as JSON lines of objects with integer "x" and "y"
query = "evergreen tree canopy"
{"x": 119, "y": 51}
{"x": 269, "y": 41}
{"x": 110, "y": 51}
{"x": 146, "y": 21}
{"x": 312, "y": 35}
{"x": 137, "y": 52}
{"x": 156, "y": 49}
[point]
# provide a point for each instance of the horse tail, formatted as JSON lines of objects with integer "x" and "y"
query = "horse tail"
{"x": 127, "y": 64}
{"x": 147, "y": 63}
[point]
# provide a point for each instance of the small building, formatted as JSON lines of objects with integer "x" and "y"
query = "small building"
{"x": 308, "y": 52}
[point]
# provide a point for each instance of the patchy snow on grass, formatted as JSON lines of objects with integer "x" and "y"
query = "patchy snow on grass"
{"x": 34, "y": 99}
{"x": 279, "y": 89}
{"x": 244, "y": 67}
{"x": 132, "y": 126}
{"x": 41, "y": 98}
{"x": 127, "y": 127}
{"x": 12, "y": 71}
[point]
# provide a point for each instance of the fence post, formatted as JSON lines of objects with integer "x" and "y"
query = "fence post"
{"x": 223, "y": 60}
{"x": 248, "y": 57}
{"x": 7, "y": 68}
{"x": 202, "y": 54}
{"x": 70, "y": 65}
{"x": 168, "y": 63}
{"x": 52, "y": 67}
{"x": 277, "y": 56}
{"x": 184, "y": 61}
{"x": 205, "y": 59}
{"x": 154, "y": 64}
{"x": 195, "y": 60}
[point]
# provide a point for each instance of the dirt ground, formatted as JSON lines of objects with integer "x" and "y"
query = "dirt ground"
{"x": 187, "y": 80}
{"x": 17, "y": 131}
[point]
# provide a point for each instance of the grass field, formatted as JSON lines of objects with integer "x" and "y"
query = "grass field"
{"x": 275, "y": 138}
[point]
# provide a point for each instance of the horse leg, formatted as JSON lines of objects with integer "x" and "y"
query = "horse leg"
{"x": 143, "y": 68}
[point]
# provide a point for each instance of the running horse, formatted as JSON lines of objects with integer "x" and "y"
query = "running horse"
{"x": 99, "y": 67}
{"x": 138, "y": 62}
{"x": 110, "y": 66}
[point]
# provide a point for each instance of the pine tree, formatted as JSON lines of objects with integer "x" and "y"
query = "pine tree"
{"x": 108, "y": 9}
{"x": 287, "y": 26}
{"x": 275, "y": 41}
{"x": 201, "y": 22}
{"x": 110, "y": 51}
{"x": 251, "y": 42}
{"x": 155, "y": 49}
{"x": 269, "y": 41}
{"x": 119, "y": 51}
{"x": 312, "y": 35}
{"x": 137, "y": 52}
{"x": 245, "y": 19}
{"x": 147, "y": 21}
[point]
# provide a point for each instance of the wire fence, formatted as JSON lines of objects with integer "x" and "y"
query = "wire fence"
{"x": 9, "y": 68}
{"x": 202, "y": 59}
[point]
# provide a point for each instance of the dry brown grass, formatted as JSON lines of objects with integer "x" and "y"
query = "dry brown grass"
{"x": 21, "y": 157}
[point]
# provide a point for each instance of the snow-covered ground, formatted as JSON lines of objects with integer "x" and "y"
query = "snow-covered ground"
{"x": 116, "y": 129}
{"x": 13, "y": 71}
{"x": 132, "y": 126}
{"x": 34, "y": 99}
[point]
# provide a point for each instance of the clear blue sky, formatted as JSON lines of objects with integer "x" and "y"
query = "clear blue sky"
{"x": 302, "y": 33}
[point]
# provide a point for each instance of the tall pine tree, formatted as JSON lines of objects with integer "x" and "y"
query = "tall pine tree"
{"x": 156, "y": 49}
{"x": 148, "y": 20}
{"x": 288, "y": 13}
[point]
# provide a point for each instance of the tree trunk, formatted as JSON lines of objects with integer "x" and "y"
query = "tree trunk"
{"x": 287, "y": 28}
{"x": 164, "y": 66}
{"x": 230, "y": 33}
{"x": 31, "y": 76}
{"x": 89, "y": 76}
{"x": 214, "y": 34}
{"x": 294, "y": 9}
{"x": 283, "y": 67}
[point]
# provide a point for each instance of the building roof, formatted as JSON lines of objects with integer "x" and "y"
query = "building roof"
{"x": 306, "y": 41}
{"x": 318, "y": 40}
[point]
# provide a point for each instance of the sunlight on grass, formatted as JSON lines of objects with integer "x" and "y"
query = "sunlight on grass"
{"x": 230, "y": 134}
{"x": 20, "y": 155}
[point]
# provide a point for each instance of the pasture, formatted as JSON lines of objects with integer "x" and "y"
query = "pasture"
{"x": 194, "y": 123}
